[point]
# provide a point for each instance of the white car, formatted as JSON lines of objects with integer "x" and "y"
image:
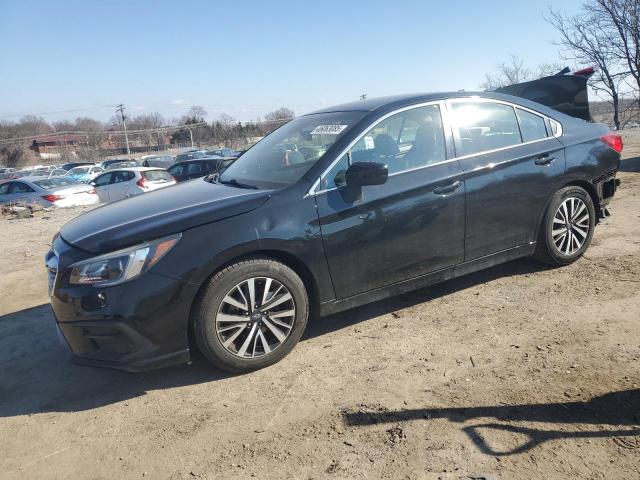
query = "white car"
{"x": 48, "y": 192}
{"x": 126, "y": 182}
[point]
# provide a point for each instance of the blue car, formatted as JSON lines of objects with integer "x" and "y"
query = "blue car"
{"x": 84, "y": 173}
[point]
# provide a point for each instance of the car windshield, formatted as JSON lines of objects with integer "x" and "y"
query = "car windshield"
{"x": 55, "y": 183}
{"x": 284, "y": 156}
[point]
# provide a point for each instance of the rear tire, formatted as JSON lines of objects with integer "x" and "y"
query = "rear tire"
{"x": 567, "y": 227}
{"x": 250, "y": 315}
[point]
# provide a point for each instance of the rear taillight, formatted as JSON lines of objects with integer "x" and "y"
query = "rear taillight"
{"x": 173, "y": 179}
{"x": 53, "y": 198}
{"x": 614, "y": 140}
{"x": 92, "y": 191}
{"x": 142, "y": 183}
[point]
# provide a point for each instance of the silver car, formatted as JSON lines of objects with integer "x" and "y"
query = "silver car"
{"x": 48, "y": 192}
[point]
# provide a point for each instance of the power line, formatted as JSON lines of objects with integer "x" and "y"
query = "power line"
{"x": 167, "y": 128}
{"x": 72, "y": 110}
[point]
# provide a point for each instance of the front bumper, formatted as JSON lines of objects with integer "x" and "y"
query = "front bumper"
{"x": 136, "y": 326}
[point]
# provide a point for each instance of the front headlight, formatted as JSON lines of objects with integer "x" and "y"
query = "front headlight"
{"x": 121, "y": 266}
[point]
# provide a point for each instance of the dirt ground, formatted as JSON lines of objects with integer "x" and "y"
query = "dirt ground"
{"x": 516, "y": 372}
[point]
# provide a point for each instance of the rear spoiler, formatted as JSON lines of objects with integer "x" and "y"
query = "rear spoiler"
{"x": 564, "y": 91}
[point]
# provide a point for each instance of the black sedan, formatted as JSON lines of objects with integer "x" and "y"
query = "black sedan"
{"x": 333, "y": 210}
{"x": 198, "y": 167}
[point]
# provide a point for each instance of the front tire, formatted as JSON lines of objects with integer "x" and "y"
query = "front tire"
{"x": 250, "y": 315}
{"x": 567, "y": 227}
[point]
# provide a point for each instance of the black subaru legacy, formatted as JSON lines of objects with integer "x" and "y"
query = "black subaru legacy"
{"x": 335, "y": 209}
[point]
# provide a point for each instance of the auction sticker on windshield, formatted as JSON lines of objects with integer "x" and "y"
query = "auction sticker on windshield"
{"x": 328, "y": 129}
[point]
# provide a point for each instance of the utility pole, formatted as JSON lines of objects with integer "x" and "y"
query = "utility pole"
{"x": 191, "y": 136}
{"x": 363, "y": 96}
{"x": 124, "y": 124}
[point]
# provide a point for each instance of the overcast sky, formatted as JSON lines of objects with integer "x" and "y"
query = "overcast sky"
{"x": 244, "y": 58}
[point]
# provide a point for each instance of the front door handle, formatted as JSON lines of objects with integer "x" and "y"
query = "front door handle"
{"x": 452, "y": 187}
{"x": 544, "y": 160}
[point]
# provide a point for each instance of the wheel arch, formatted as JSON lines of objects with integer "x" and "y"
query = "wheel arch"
{"x": 586, "y": 185}
{"x": 287, "y": 258}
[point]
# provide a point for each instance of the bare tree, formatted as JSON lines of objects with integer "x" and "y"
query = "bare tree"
{"x": 282, "y": 113}
{"x": 508, "y": 73}
{"x": 586, "y": 38}
{"x": 621, "y": 21}
{"x": 196, "y": 114}
{"x": 63, "y": 126}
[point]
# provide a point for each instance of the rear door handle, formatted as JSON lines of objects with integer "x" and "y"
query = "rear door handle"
{"x": 452, "y": 187}
{"x": 544, "y": 160}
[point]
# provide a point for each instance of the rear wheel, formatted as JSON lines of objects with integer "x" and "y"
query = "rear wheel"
{"x": 251, "y": 314}
{"x": 567, "y": 227}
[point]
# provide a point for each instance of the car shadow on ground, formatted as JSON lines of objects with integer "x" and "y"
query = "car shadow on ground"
{"x": 348, "y": 318}
{"x": 630, "y": 165}
{"x": 37, "y": 376}
{"x": 615, "y": 409}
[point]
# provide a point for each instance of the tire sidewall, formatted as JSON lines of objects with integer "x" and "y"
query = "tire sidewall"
{"x": 220, "y": 285}
{"x": 567, "y": 192}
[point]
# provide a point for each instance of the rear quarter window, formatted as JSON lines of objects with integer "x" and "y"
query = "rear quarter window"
{"x": 532, "y": 126}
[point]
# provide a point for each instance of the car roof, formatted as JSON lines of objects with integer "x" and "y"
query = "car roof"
{"x": 133, "y": 169}
{"x": 31, "y": 178}
{"x": 394, "y": 102}
{"x": 201, "y": 159}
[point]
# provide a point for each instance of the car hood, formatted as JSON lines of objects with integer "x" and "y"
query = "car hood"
{"x": 157, "y": 214}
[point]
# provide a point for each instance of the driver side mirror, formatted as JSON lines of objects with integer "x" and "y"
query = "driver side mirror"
{"x": 360, "y": 174}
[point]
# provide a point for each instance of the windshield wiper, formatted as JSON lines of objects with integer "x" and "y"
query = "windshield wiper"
{"x": 236, "y": 183}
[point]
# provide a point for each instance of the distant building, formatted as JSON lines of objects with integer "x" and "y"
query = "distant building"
{"x": 54, "y": 146}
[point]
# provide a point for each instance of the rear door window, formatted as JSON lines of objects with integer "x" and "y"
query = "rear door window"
{"x": 195, "y": 168}
{"x": 119, "y": 177}
{"x": 484, "y": 126}
{"x": 4, "y": 188}
{"x": 532, "y": 126}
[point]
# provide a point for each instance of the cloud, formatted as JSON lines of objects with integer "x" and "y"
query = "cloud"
{"x": 179, "y": 101}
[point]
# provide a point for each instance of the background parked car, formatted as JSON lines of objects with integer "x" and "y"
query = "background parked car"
{"x": 122, "y": 164}
{"x": 197, "y": 168}
{"x": 105, "y": 164}
{"x": 69, "y": 166}
{"x": 48, "y": 192}
{"x": 14, "y": 174}
{"x": 84, "y": 173}
{"x": 223, "y": 152}
{"x": 190, "y": 155}
{"x": 57, "y": 172}
{"x": 162, "y": 161}
{"x": 122, "y": 183}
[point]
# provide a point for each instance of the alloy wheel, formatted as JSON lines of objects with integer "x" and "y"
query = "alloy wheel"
{"x": 255, "y": 317}
{"x": 570, "y": 226}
